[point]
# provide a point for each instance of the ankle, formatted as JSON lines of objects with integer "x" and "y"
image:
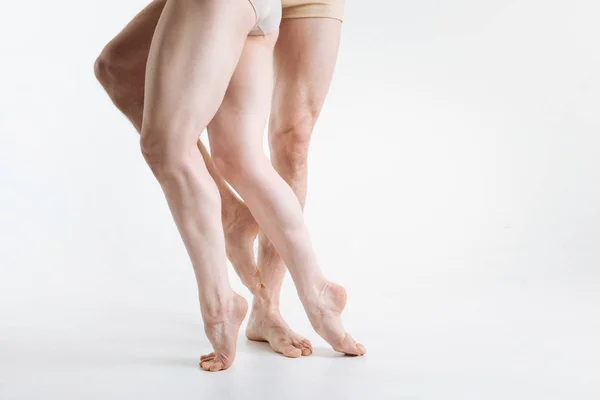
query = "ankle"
{"x": 262, "y": 294}
{"x": 216, "y": 308}
{"x": 311, "y": 293}
{"x": 265, "y": 300}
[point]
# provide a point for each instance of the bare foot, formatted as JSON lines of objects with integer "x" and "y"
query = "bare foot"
{"x": 240, "y": 232}
{"x": 324, "y": 310}
{"x": 267, "y": 325}
{"x": 222, "y": 332}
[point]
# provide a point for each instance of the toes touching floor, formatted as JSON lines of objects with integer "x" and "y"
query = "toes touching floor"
{"x": 267, "y": 325}
{"x": 199, "y": 64}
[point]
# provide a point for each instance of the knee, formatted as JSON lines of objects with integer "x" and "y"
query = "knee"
{"x": 238, "y": 167}
{"x": 119, "y": 76}
{"x": 105, "y": 67}
{"x": 289, "y": 142}
{"x": 165, "y": 159}
{"x": 178, "y": 168}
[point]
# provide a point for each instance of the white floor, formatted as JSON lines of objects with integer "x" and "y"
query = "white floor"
{"x": 452, "y": 334}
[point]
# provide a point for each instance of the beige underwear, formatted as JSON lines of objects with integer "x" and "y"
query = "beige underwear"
{"x": 313, "y": 9}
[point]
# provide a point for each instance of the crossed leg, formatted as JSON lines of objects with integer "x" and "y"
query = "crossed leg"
{"x": 305, "y": 56}
{"x": 235, "y": 135}
{"x": 120, "y": 70}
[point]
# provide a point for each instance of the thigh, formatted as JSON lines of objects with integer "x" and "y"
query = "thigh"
{"x": 305, "y": 57}
{"x": 193, "y": 54}
{"x": 238, "y": 127}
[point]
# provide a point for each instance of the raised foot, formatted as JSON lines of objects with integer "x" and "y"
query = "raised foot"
{"x": 267, "y": 325}
{"x": 324, "y": 310}
{"x": 222, "y": 334}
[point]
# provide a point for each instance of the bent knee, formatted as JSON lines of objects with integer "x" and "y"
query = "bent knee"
{"x": 291, "y": 140}
{"x": 231, "y": 166}
{"x": 105, "y": 66}
{"x": 164, "y": 157}
{"x": 239, "y": 168}
{"x": 116, "y": 67}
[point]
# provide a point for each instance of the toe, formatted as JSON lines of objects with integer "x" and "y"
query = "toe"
{"x": 205, "y": 365}
{"x": 350, "y": 347}
{"x": 291, "y": 351}
{"x": 204, "y": 357}
{"x": 306, "y": 351}
{"x": 212, "y": 365}
{"x": 305, "y": 346}
{"x": 216, "y": 366}
{"x": 207, "y": 359}
{"x": 362, "y": 350}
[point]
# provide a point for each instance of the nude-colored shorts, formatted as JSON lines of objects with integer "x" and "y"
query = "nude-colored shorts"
{"x": 313, "y": 9}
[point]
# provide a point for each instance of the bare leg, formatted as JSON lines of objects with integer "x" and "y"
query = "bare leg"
{"x": 300, "y": 91}
{"x": 121, "y": 69}
{"x": 236, "y": 141}
{"x": 194, "y": 52}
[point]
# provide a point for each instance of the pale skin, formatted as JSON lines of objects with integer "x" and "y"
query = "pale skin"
{"x": 204, "y": 71}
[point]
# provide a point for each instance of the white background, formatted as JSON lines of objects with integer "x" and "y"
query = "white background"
{"x": 454, "y": 191}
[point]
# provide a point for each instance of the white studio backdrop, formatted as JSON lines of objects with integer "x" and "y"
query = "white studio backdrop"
{"x": 454, "y": 189}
